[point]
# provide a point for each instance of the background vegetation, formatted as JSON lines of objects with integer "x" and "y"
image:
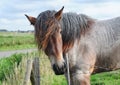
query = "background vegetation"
{"x": 15, "y": 40}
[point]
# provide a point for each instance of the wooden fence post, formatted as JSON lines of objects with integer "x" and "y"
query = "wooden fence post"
{"x": 28, "y": 72}
{"x": 35, "y": 74}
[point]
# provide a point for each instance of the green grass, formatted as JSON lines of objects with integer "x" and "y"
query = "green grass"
{"x": 15, "y": 41}
{"x": 6, "y": 64}
{"x": 106, "y": 78}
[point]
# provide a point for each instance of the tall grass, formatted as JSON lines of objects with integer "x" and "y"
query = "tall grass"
{"x": 16, "y": 76}
{"x": 49, "y": 78}
{"x": 6, "y": 64}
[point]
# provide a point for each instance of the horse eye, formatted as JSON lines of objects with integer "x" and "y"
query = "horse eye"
{"x": 47, "y": 26}
{"x": 60, "y": 32}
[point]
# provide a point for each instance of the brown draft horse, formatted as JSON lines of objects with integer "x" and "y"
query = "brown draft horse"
{"x": 89, "y": 43}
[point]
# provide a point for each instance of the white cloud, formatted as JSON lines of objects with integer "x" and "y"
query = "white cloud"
{"x": 4, "y": 21}
{"x": 58, "y": 3}
{"x": 12, "y": 12}
{"x": 103, "y": 10}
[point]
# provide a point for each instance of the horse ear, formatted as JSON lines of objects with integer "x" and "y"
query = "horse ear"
{"x": 31, "y": 19}
{"x": 58, "y": 15}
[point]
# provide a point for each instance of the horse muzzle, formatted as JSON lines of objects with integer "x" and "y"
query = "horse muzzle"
{"x": 59, "y": 70}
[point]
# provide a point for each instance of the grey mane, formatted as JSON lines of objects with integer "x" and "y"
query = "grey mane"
{"x": 74, "y": 25}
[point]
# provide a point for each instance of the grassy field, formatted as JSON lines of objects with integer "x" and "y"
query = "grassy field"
{"x": 15, "y": 40}
{"x": 15, "y": 74}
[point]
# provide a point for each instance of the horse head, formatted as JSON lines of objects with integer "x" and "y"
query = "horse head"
{"x": 49, "y": 38}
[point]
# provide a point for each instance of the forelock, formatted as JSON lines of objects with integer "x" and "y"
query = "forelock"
{"x": 42, "y": 32}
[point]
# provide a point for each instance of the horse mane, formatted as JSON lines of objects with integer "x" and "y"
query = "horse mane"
{"x": 73, "y": 26}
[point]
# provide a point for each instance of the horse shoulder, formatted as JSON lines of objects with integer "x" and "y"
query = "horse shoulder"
{"x": 86, "y": 54}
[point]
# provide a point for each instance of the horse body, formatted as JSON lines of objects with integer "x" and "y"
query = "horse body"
{"x": 92, "y": 46}
{"x": 96, "y": 51}
{"x": 107, "y": 44}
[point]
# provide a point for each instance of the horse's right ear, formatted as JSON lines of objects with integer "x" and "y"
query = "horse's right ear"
{"x": 31, "y": 19}
{"x": 58, "y": 15}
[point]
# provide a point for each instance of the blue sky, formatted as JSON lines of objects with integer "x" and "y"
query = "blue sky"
{"x": 12, "y": 11}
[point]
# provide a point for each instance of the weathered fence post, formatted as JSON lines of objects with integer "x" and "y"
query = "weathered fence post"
{"x": 28, "y": 72}
{"x": 35, "y": 74}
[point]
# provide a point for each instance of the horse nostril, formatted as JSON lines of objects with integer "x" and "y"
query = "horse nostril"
{"x": 59, "y": 70}
{"x": 54, "y": 67}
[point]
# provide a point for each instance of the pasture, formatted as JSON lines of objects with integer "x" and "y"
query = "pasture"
{"x": 16, "y": 72}
{"x": 17, "y": 64}
{"x": 15, "y": 40}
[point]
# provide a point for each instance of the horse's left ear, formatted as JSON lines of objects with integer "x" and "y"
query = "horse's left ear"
{"x": 58, "y": 15}
{"x": 31, "y": 19}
